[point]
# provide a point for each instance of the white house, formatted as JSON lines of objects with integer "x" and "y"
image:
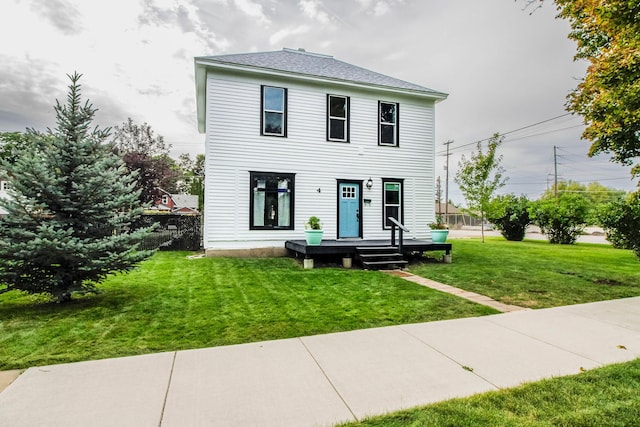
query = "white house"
{"x": 291, "y": 134}
{"x": 4, "y": 187}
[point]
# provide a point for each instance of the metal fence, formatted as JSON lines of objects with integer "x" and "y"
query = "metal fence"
{"x": 173, "y": 232}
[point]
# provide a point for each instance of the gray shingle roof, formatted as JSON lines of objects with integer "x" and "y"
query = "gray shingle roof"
{"x": 313, "y": 64}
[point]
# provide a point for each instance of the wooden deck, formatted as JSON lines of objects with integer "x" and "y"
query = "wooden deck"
{"x": 348, "y": 247}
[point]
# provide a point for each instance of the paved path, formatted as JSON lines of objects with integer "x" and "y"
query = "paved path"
{"x": 324, "y": 379}
{"x": 471, "y": 296}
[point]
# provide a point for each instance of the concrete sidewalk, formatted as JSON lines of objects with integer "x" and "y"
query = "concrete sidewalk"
{"x": 324, "y": 379}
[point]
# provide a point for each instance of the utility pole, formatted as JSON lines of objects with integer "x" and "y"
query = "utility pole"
{"x": 439, "y": 195}
{"x": 446, "y": 188}
{"x": 555, "y": 173}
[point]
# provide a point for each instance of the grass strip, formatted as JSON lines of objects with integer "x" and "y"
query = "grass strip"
{"x": 536, "y": 274}
{"x": 606, "y": 396}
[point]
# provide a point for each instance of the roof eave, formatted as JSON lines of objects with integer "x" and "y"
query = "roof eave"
{"x": 201, "y": 64}
{"x": 201, "y": 87}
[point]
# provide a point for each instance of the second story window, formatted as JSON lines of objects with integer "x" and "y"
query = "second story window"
{"x": 388, "y": 123}
{"x": 337, "y": 118}
{"x": 274, "y": 111}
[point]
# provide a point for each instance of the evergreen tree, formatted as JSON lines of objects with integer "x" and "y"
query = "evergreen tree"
{"x": 71, "y": 207}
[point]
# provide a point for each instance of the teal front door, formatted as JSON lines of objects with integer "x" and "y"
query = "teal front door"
{"x": 349, "y": 210}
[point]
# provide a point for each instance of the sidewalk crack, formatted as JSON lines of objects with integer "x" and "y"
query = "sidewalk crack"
{"x": 166, "y": 394}
{"x": 329, "y": 380}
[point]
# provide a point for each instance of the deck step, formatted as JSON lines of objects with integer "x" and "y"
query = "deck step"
{"x": 384, "y": 265}
{"x": 380, "y": 257}
{"x": 376, "y": 249}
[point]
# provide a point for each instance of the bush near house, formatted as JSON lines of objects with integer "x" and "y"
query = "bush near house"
{"x": 561, "y": 219}
{"x": 621, "y": 221}
{"x": 510, "y": 215}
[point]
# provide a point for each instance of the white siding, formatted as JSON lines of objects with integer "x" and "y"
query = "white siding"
{"x": 4, "y": 195}
{"x": 234, "y": 147}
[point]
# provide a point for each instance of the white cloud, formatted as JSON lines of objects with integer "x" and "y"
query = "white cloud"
{"x": 364, "y": 3}
{"x": 253, "y": 10}
{"x": 311, "y": 9}
{"x": 279, "y": 36}
{"x": 381, "y": 8}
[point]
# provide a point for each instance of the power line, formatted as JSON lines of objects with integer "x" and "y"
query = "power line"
{"x": 512, "y": 131}
{"x": 542, "y": 133}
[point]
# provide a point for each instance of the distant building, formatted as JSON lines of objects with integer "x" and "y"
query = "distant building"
{"x": 177, "y": 204}
{"x": 456, "y": 217}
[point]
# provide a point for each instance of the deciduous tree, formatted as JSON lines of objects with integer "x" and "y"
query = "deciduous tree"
{"x": 608, "y": 36}
{"x": 192, "y": 181}
{"x": 10, "y": 143}
{"x": 146, "y": 154}
{"x": 479, "y": 177}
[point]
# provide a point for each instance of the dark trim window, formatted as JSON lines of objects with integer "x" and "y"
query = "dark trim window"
{"x": 272, "y": 201}
{"x": 388, "y": 123}
{"x": 337, "y": 118}
{"x": 274, "y": 111}
{"x": 392, "y": 201}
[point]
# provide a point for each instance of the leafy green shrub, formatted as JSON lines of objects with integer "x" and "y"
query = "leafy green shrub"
{"x": 313, "y": 223}
{"x": 621, "y": 221}
{"x": 510, "y": 215}
{"x": 561, "y": 219}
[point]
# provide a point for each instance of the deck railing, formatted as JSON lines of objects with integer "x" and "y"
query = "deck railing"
{"x": 401, "y": 229}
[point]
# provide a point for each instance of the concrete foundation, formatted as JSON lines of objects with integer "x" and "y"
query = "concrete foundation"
{"x": 248, "y": 253}
{"x": 308, "y": 263}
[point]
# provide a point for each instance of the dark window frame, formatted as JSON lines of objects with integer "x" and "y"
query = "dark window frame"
{"x": 396, "y": 124}
{"x": 347, "y": 118}
{"x": 253, "y": 175}
{"x": 385, "y": 181}
{"x": 284, "y": 112}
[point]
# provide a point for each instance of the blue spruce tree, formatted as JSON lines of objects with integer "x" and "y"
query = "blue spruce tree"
{"x": 71, "y": 208}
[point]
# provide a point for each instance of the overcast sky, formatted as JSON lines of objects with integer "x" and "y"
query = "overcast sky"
{"x": 503, "y": 68}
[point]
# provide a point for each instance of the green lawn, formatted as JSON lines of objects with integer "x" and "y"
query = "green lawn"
{"x": 602, "y": 397}
{"x": 537, "y": 274}
{"x": 172, "y": 303}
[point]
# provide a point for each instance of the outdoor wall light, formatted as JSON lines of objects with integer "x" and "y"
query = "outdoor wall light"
{"x": 369, "y": 183}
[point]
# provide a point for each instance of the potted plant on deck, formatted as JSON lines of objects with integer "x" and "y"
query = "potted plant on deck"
{"x": 439, "y": 230}
{"x": 313, "y": 231}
